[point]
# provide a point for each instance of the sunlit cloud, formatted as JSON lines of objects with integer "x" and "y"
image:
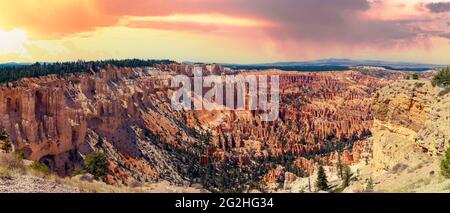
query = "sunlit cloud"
{"x": 244, "y": 31}
{"x": 13, "y": 41}
{"x": 200, "y": 19}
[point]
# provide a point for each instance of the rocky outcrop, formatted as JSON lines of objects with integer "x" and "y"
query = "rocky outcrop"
{"x": 410, "y": 120}
{"x": 274, "y": 177}
{"x": 125, "y": 113}
{"x": 400, "y": 110}
{"x": 409, "y": 135}
{"x": 319, "y": 112}
{"x": 434, "y": 137}
{"x": 405, "y": 103}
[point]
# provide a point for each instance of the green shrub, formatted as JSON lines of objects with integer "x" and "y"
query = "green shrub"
{"x": 78, "y": 172}
{"x": 11, "y": 162}
{"x": 96, "y": 163}
{"x": 3, "y": 134}
{"x": 40, "y": 167}
{"x": 445, "y": 165}
{"x": 370, "y": 185}
{"x": 20, "y": 154}
{"x": 5, "y": 173}
{"x": 6, "y": 145}
{"x": 442, "y": 79}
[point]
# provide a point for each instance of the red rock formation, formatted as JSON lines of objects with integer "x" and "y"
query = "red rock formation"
{"x": 307, "y": 165}
{"x": 274, "y": 176}
{"x": 316, "y": 109}
{"x": 126, "y": 113}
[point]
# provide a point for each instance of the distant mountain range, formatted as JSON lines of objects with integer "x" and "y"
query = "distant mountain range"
{"x": 14, "y": 64}
{"x": 315, "y": 65}
{"x": 336, "y": 64}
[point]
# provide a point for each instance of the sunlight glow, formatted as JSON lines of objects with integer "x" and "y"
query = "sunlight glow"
{"x": 13, "y": 41}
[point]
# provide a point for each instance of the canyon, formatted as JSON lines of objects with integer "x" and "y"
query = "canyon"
{"x": 361, "y": 117}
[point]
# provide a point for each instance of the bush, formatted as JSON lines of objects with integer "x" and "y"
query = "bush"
{"x": 96, "y": 163}
{"x": 445, "y": 165}
{"x": 6, "y": 145}
{"x": 415, "y": 77}
{"x": 442, "y": 79}
{"x": 20, "y": 154}
{"x": 3, "y": 135}
{"x": 5, "y": 173}
{"x": 40, "y": 167}
{"x": 370, "y": 185}
{"x": 11, "y": 162}
{"x": 78, "y": 172}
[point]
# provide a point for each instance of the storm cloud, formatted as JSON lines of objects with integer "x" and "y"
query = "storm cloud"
{"x": 439, "y": 7}
{"x": 336, "y": 21}
{"x": 316, "y": 21}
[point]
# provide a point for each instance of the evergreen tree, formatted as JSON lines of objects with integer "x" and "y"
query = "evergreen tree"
{"x": 346, "y": 176}
{"x": 322, "y": 182}
{"x": 445, "y": 165}
{"x": 96, "y": 163}
{"x": 13, "y": 73}
{"x": 340, "y": 167}
{"x": 369, "y": 186}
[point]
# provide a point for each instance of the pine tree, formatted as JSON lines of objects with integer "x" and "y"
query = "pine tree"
{"x": 445, "y": 165}
{"x": 346, "y": 176}
{"x": 322, "y": 182}
{"x": 340, "y": 167}
{"x": 369, "y": 186}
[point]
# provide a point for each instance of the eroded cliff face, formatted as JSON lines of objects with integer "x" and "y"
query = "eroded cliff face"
{"x": 400, "y": 110}
{"x": 320, "y": 113}
{"x": 124, "y": 112}
{"x": 410, "y": 134}
{"x": 434, "y": 137}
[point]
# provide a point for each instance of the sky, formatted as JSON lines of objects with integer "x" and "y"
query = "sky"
{"x": 225, "y": 31}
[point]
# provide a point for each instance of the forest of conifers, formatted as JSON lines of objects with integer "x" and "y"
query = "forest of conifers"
{"x": 15, "y": 72}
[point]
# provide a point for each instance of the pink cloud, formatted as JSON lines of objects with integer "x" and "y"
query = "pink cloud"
{"x": 312, "y": 21}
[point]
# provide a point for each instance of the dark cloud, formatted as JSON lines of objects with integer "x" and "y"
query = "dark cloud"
{"x": 336, "y": 21}
{"x": 439, "y": 7}
{"x": 445, "y": 35}
{"x": 318, "y": 21}
{"x": 333, "y": 21}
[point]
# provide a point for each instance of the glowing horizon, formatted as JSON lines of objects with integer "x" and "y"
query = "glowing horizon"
{"x": 225, "y": 31}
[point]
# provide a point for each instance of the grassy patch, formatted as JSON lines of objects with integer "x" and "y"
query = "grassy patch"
{"x": 40, "y": 168}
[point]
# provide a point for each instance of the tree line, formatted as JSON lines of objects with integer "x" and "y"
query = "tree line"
{"x": 17, "y": 72}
